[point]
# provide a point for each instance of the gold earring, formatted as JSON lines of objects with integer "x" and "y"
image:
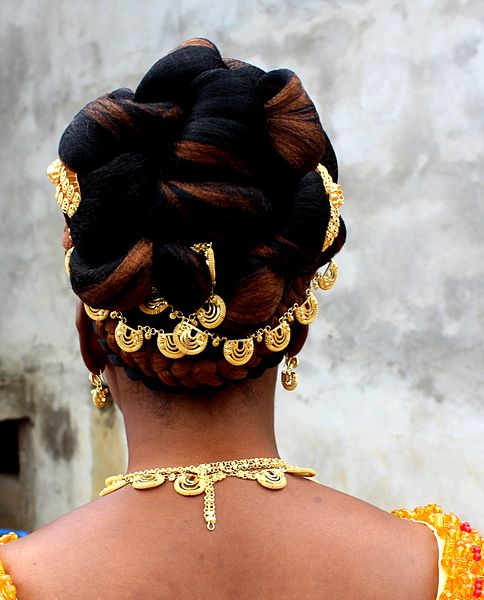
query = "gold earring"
{"x": 100, "y": 392}
{"x": 288, "y": 375}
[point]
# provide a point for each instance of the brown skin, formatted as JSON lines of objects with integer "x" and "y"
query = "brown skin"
{"x": 306, "y": 541}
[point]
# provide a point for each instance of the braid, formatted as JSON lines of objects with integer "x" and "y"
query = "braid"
{"x": 205, "y": 149}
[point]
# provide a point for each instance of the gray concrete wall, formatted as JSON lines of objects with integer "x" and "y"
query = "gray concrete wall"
{"x": 390, "y": 401}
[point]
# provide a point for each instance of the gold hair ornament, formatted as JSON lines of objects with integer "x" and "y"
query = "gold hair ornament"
{"x": 67, "y": 192}
{"x": 188, "y": 338}
{"x": 192, "y": 334}
{"x": 336, "y": 201}
{"x": 194, "y": 480}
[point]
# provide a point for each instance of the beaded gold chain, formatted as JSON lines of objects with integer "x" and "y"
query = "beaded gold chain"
{"x": 192, "y": 333}
{"x": 194, "y": 480}
{"x": 187, "y": 338}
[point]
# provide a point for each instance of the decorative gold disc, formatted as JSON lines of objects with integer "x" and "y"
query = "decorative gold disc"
{"x": 308, "y": 311}
{"x": 274, "y": 479}
{"x": 213, "y": 313}
{"x": 147, "y": 481}
{"x": 127, "y": 338}
{"x": 96, "y": 314}
{"x": 154, "y": 305}
{"x": 278, "y": 338}
{"x": 189, "y": 339}
{"x": 238, "y": 352}
{"x": 167, "y": 346}
{"x": 189, "y": 484}
{"x": 112, "y": 487}
{"x": 329, "y": 277}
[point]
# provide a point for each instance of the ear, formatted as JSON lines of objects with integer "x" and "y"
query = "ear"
{"x": 93, "y": 355}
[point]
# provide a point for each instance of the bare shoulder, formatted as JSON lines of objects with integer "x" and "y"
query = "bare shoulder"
{"x": 324, "y": 543}
{"x": 394, "y": 557}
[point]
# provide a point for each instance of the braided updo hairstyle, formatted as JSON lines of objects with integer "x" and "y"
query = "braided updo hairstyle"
{"x": 205, "y": 150}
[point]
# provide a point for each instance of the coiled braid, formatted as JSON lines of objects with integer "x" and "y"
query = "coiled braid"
{"x": 205, "y": 149}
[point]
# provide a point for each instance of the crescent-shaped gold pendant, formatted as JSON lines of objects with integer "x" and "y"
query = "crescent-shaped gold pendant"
{"x": 278, "y": 338}
{"x": 127, "y": 338}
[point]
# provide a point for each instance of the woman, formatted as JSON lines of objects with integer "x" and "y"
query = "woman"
{"x": 198, "y": 211}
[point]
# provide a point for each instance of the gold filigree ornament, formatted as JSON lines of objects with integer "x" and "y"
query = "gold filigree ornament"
{"x": 212, "y": 314}
{"x": 100, "y": 392}
{"x": 201, "y": 479}
{"x": 238, "y": 352}
{"x": 288, "y": 374}
{"x": 278, "y": 338}
{"x": 67, "y": 193}
{"x": 189, "y": 484}
{"x": 96, "y": 314}
{"x": 308, "y": 311}
{"x": 336, "y": 200}
{"x": 274, "y": 479}
{"x": 189, "y": 338}
{"x": 147, "y": 481}
{"x": 167, "y": 346}
{"x": 154, "y": 305}
{"x": 326, "y": 280}
{"x": 127, "y": 338}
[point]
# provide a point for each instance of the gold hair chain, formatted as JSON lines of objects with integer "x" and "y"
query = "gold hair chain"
{"x": 195, "y": 480}
{"x": 192, "y": 334}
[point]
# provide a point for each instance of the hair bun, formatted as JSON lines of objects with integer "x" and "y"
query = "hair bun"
{"x": 293, "y": 122}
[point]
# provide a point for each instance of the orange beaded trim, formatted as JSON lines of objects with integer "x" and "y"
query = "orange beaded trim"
{"x": 7, "y": 589}
{"x": 461, "y": 558}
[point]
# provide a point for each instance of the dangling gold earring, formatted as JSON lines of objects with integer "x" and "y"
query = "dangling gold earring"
{"x": 100, "y": 392}
{"x": 288, "y": 375}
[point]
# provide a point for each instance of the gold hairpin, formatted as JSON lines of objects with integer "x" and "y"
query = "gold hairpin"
{"x": 67, "y": 193}
{"x": 336, "y": 200}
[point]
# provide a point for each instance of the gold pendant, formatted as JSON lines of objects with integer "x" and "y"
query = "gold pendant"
{"x": 96, "y": 314}
{"x": 308, "y": 311}
{"x": 274, "y": 479}
{"x": 329, "y": 277}
{"x": 154, "y": 305}
{"x": 278, "y": 338}
{"x": 189, "y": 484}
{"x": 127, "y": 338}
{"x": 189, "y": 338}
{"x": 288, "y": 375}
{"x": 147, "y": 481}
{"x": 238, "y": 352}
{"x": 167, "y": 346}
{"x": 112, "y": 487}
{"x": 214, "y": 314}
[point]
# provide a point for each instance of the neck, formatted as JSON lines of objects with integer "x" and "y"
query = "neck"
{"x": 178, "y": 429}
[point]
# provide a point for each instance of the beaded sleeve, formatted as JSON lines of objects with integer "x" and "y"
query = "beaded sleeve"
{"x": 461, "y": 569}
{"x": 7, "y": 589}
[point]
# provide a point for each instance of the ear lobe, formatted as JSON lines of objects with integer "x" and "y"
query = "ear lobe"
{"x": 93, "y": 355}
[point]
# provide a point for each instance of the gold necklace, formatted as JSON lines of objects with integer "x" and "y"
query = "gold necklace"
{"x": 194, "y": 480}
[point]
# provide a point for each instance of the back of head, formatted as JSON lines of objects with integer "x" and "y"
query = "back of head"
{"x": 206, "y": 151}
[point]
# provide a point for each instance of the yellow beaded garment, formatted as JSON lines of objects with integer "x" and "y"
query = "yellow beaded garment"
{"x": 461, "y": 568}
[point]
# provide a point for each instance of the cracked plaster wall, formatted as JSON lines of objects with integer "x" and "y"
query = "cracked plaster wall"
{"x": 390, "y": 405}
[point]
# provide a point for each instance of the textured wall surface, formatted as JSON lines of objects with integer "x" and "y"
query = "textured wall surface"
{"x": 390, "y": 405}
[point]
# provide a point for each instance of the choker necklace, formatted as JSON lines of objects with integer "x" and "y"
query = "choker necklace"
{"x": 194, "y": 480}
